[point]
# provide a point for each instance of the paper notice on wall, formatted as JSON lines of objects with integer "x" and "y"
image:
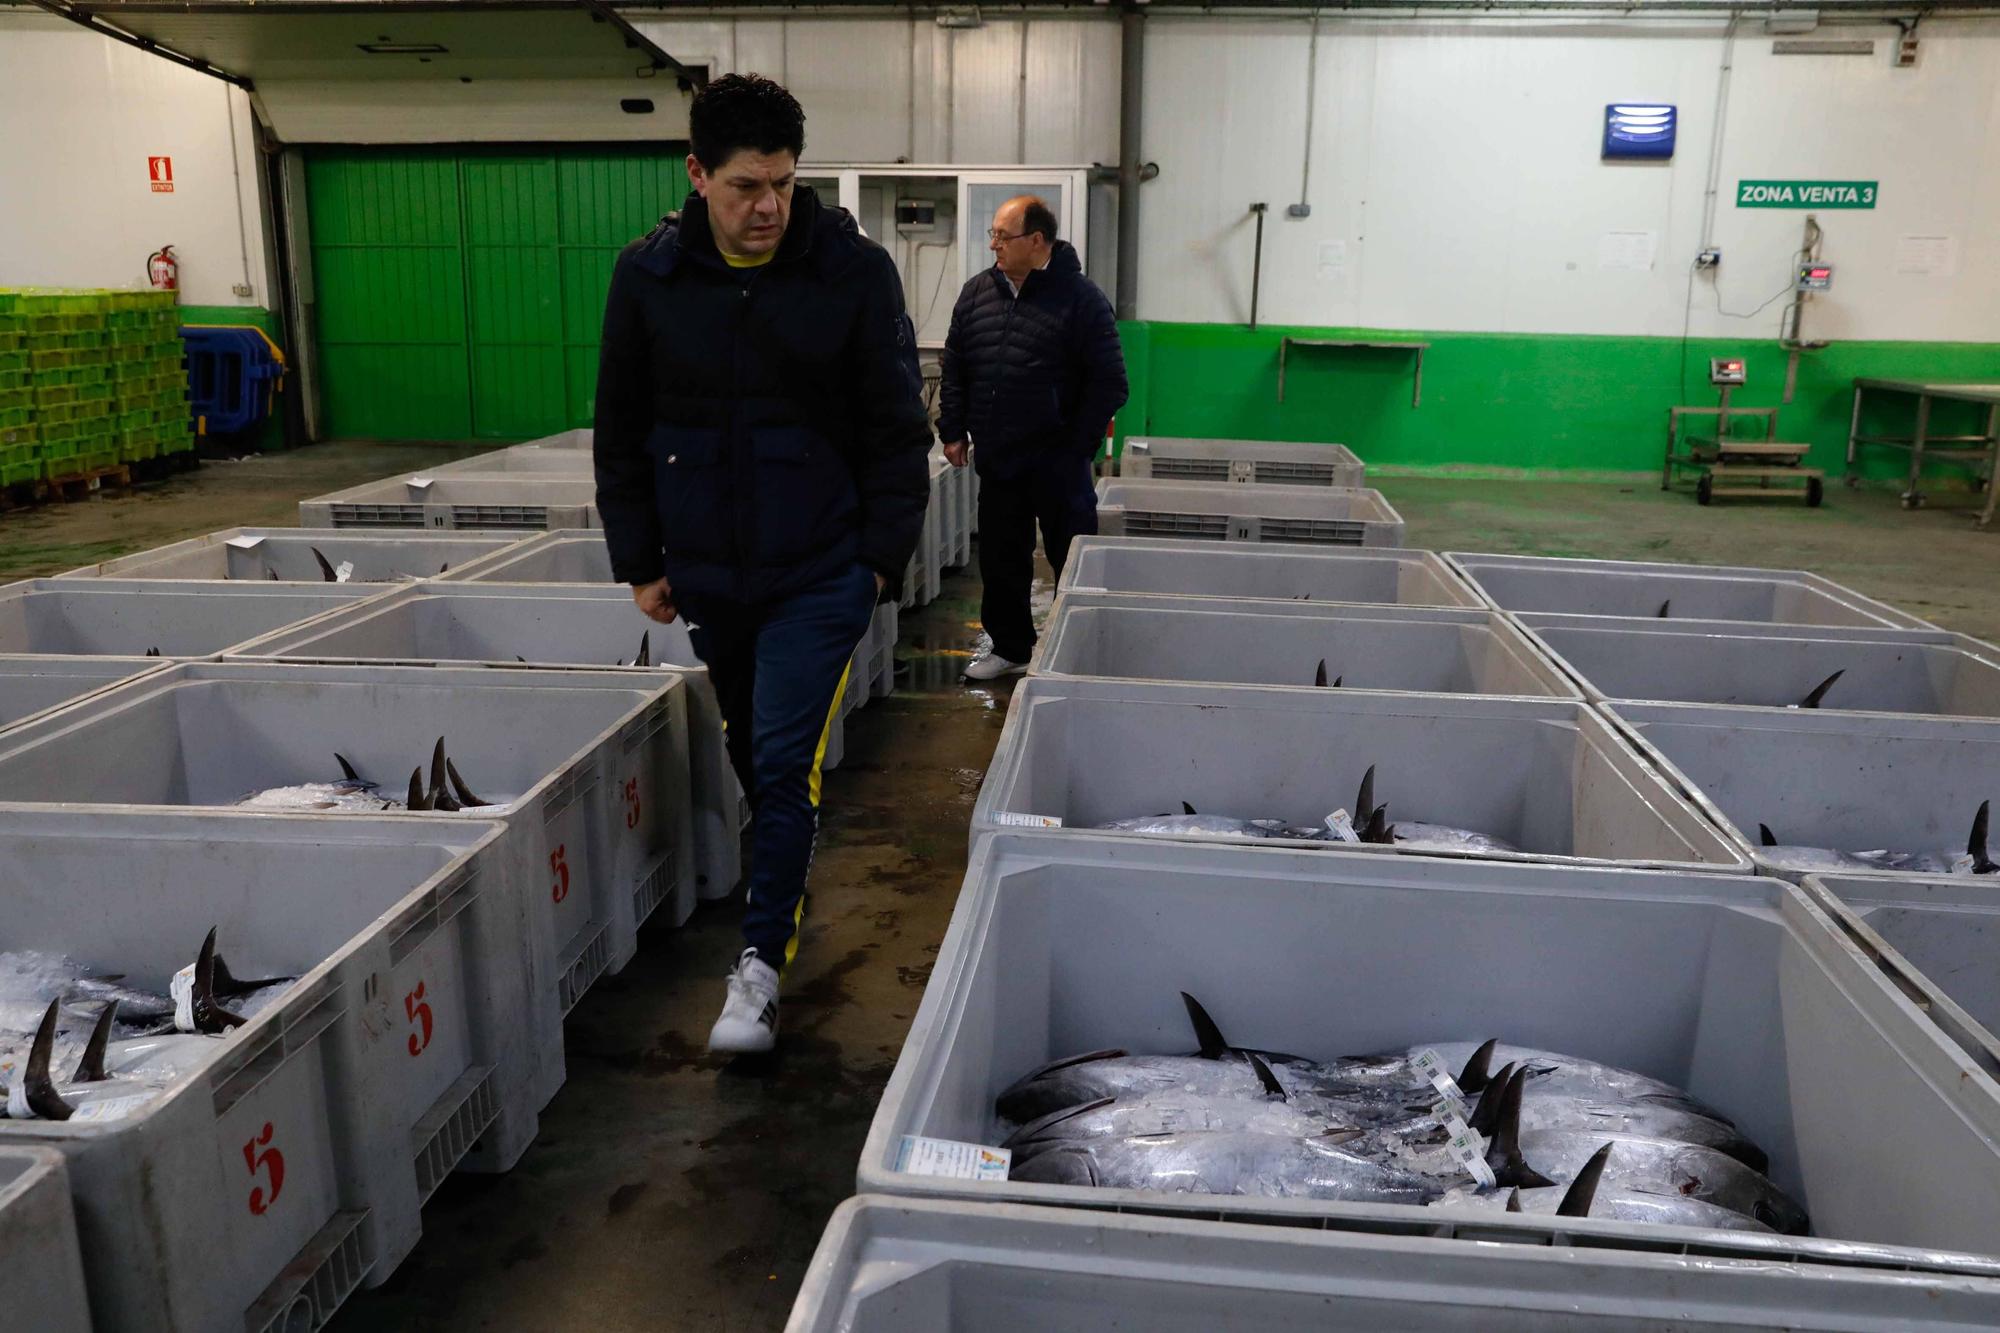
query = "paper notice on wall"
{"x": 1332, "y": 261}
{"x": 1927, "y": 256}
{"x": 1627, "y": 251}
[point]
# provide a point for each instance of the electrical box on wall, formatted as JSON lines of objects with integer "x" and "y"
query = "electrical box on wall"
{"x": 1642, "y": 130}
{"x": 916, "y": 216}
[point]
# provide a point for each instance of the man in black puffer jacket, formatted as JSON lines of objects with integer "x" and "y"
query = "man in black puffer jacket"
{"x": 760, "y": 449}
{"x": 1032, "y": 373}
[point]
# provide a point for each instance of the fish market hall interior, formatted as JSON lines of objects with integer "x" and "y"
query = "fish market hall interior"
{"x": 1487, "y": 828}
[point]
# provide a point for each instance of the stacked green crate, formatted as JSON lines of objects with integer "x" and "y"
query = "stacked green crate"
{"x": 17, "y": 401}
{"x": 64, "y": 337}
{"x": 149, "y": 381}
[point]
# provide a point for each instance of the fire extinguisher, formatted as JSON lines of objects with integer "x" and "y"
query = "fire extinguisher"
{"x": 162, "y": 269}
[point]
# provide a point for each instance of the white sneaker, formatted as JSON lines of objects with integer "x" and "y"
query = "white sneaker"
{"x": 749, "y": 1021}
{"x": 992, "y": 666}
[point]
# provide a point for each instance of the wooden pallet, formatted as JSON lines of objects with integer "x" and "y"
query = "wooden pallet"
{"x": 75, "y": 486}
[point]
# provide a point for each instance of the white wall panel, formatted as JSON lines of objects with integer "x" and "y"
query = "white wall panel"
{"x": 82, "y": 115}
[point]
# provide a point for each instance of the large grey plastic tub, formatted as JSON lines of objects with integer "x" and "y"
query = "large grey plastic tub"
{"x": 1549, "y": 776}
{"x": 1167, "y": 458}
{"x": 444, "y": 500}
{"x": 1934, "y": 938}
{"x": 1724, "y": 662}
{"x": 1264, "y": 573}
{"x": 575, "y": 762}
{"x": 31, "y": 686}
{"x": 888, "y": 1265}
{"x": 1691, "y": 592}
{"x": 288, "y": 1166}
{"x": 554, "y": 626}
{"x": 41, "y": 1277}
{"x": 1132, "y": 636}
{"x": 529, "y": 459}
{"x": 1220, "y": 511}
{"x": 285, "y": 555}
{"x": 567, "y": 439}
{"x": 568, "y": 555}
{"x": 1850, "y": 781}
{"x": 1735, "y": 987}
{"x": 130, "y": 617}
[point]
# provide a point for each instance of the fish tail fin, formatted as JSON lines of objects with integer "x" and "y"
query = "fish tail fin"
{"x": 1187, "y": 809}
{"x": 346, "y": 769}
{"x": 1206, "y": 1034}
{"x": 1661, "y": 614}
{"x": 1765, "y": 836}
{"x": 1819, "y": 691}
{"x": 1475, "y": 1076}
{"x": 43, "y": 1099}
{"x": 1582, "y": 1191}
{"x": 1364, "y": 801}
{"x": 1503, "y": 1154}
{"x": 1486, "y": 1112}
{"x": 325, "y": 566}
{"x": 1272, "y": 1088}
{"x": 1378, "y": 829}
{"x": 209, "y": 1015}
{"x": 465, "y": 796}
{"x": 1337, "y": 680}
{"x": 1514, "y": 1200}
{"x": 645, "y": 657}
{"x": 1975, "y": 846}
{"x": 90, "y": 1069}
{"x": 417, "y": 799}
{"x": 1319, "y": 676}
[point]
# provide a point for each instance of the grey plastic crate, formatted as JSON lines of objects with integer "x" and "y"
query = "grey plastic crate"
{"x": 521, "y": 459}
{"x": 1221, "y": 511}
{"x": 31, "y": 686}
{"x": 889, "y": 1265}
{"x": 1693, "y": 592}
{"x": 567, "y": 555}
{"x": 1268, "y": 462}
{"x": 958, "y": 510}
{"x": 1549, "y": 776}
{"x": 565, "y": 757}
{"x": 1132, "y": 636}
{"x": 287, "y": 1167}
{"x": 566, "y": 439}
{"x": 1724, "y": 662}
{"x": 1735, "y": 987}
{"x": 1851, "y": 781}
{"x": 443, "y": 500}
{"x": 41, "y": 1278}
{"x": 882, "y": 661}
{"x": 285, "y": 555}
{"x": 553, "y": 627}
{"x": 129, "y": 617}
{"x": 1934, "y": 939}
{"x": 1242, "y": 572}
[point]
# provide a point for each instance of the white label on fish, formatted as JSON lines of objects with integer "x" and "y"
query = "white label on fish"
{"x": 921, "y": 1156}
{"x": 343, "y": 571}
{"x": 1341, "y": 825}
{"x": 1470, "y": 1152}
{"x": 1431, "y": 1064}
{"x": 112, "y": 1108}
{"x": 181, "y": 987}
{"x": 1014, "y": 819}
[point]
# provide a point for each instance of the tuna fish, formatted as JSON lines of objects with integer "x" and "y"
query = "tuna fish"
{"x": 1417, "y": 835}
{"x": 1976, "y": 861}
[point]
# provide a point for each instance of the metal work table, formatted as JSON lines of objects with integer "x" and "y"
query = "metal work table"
{"x": 1960, "y": 448}
{"x": 1285, "y": 345}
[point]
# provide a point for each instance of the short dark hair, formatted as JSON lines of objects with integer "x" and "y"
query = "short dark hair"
{"x": 1037, "y": 217}
{"x": 739, "y": 111}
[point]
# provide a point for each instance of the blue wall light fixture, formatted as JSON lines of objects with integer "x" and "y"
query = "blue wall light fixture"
{"x": 1638, "y": 129}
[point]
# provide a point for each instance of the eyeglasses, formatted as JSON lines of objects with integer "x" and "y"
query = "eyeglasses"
{"x": 995, "y": 234}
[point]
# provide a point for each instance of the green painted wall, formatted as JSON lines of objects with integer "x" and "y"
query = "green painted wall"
{"x": 1514, "y": 401}
{"x": 461, "y": 290}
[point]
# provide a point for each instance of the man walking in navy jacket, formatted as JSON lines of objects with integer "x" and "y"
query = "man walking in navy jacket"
{"x": 1032, "y": 374}
{"x": 760, "y": 469}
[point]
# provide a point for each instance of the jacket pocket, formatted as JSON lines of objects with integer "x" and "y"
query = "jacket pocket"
{"x": 806, "y": 499}
{"x": 691, "y": 480}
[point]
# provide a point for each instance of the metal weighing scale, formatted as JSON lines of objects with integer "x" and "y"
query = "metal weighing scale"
{"x": 1731, "y": 467}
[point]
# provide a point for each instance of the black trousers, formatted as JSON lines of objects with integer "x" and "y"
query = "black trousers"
{"x": 1056, "y": 492}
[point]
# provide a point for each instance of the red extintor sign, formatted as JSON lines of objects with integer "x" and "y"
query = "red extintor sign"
{"x": 160, "y": 172}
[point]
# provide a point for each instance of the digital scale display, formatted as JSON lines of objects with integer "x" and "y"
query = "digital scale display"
{"x": 1725, "y": 370}
{"x": 1815, "y": 277}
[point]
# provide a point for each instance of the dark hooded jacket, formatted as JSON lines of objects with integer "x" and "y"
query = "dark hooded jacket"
{"x": 1033, "y": 374}
{"x": 759, "y": 430}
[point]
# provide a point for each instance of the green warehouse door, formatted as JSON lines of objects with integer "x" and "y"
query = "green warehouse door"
{"x": 459, "y": 292}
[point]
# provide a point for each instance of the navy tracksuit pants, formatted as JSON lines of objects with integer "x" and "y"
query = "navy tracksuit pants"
{"x": 778, "y": 669}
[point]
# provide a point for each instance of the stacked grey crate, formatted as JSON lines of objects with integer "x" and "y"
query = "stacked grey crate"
{"x": 1628, "y": 928}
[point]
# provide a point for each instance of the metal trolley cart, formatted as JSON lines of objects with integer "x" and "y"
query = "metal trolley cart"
{"x": 1728, "y": 466}
{"x": 1971, "y": 449}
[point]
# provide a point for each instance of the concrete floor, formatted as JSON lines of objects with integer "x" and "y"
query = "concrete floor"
{"x": 668, "y": 1190}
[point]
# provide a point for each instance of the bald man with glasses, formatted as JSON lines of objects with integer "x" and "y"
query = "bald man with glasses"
{"x": 1031, "y": 374}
